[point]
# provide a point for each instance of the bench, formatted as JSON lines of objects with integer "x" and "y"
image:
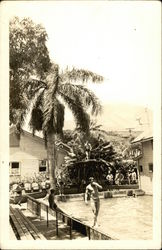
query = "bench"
{"x": 23, "y": 227}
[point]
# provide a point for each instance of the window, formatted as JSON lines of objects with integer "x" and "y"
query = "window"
{"x": 42, "y": 165}
{"x": 150, "y": 167}
{"x": 14, "y": 168}
{"x": 141, "y": 168}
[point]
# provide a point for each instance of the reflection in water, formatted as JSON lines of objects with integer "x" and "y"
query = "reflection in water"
{"x": 124, "y": 218}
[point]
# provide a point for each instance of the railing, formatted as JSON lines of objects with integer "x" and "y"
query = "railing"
{"x": 93, "y": 234}
{"x": 34, "y": 206}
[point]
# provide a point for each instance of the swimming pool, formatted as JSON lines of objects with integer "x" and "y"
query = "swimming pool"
{"x": 123, "y": 218}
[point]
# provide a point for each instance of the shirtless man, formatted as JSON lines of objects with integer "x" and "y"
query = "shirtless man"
{"x": 92, "y": 191}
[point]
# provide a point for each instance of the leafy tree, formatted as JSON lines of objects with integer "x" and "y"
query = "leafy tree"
{"x": 28, "y": 56}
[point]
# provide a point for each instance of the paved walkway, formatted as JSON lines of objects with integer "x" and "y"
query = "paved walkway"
{"x": 50, "y": 231}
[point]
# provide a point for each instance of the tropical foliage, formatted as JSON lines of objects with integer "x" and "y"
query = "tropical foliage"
{"x": 28, "y": 56}
{"x": 38, "y": 84}
{"x": 100, "y": 150}
{"x": 105, "y": 154}
{"x": 50, "y": 96}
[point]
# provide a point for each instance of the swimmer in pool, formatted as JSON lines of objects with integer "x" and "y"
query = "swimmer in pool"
{"x": 92, "y": 191}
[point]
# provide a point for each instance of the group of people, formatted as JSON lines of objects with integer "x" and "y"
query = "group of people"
{"x": 20, "y": 189}
{"x": 119, "y": 177}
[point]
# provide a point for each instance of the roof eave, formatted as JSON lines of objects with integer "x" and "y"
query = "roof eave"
{"x": 142, "y": 140}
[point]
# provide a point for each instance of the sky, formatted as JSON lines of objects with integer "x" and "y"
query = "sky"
{"x": 119, "y": 40}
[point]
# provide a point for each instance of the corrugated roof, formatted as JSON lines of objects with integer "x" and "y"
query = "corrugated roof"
{"x": 146, "y": 135}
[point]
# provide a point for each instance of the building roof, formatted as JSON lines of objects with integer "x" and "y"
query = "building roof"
{"x": 27, "y": 133}
{"x": 60, "y": 145}
{"x": 144, "y": 136}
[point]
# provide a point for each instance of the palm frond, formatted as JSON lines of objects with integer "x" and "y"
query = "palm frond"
{"x": 60, "y": 117}
{"x": 36, "y": 119}
{"x": 90, "y": 100}
{"x": 53, "y": 80}
{"x": 20, "y": 116}
{"x": 87, "y": 97}
{"x": 49, "y": 109}
{"x": 96, "y": 129}
{"x": 81, "y": 75}
{"x": 53, "y": 115}
{"x": 33, "y": 86}
{"x": 81, "y": 117}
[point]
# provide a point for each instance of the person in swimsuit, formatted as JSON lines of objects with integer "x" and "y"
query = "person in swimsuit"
{"x": 88, "y": 148}
{"x": 92, "y": 192}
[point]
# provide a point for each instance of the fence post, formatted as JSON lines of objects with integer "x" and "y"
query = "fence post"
{"x": 27, "y": 203}
{"x": 40, "y": 210}
{"x": 32, "y": 206}
{"x": 63, "y": 218}
{"x": 56, "y": 223}
{"x": 89, "y": 233}
{"x": 70, "y": 222}
{"x": 47, "y": 214}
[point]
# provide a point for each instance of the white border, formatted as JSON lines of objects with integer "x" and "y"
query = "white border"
{"x": 4, "y": 169}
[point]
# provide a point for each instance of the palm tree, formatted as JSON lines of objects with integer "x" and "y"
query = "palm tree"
{"x": 49, "y": 98}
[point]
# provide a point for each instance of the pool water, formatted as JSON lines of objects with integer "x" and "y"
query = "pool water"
{"x": 123, "y": 218}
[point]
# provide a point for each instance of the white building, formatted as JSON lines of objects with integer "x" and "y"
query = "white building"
{"x": 28, "y": 156}
{"x": 143, "y": 154}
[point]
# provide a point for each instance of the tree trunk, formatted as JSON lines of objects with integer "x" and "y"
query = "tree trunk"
{"x": 51, "y": 155}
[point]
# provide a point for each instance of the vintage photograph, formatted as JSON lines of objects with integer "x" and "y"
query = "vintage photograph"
{"x": 82, "y": 109}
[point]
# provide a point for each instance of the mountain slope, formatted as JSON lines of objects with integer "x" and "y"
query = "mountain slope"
{"x": 124, "y": 117}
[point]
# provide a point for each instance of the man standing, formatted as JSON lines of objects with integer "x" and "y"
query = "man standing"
{"x": 92, "y": 191}
{"x": 134, "y": 177}
{"x": 109, "y": 178}
{"x": 88, "y": 148}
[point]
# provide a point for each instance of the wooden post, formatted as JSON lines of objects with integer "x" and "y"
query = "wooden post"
{"x": 47, "y": 214}
{"x": 138, "y": 175}
{"x": 56, "y": 223}
{"x": 27, "y": 203}
{"x": 63, "y": 218}
{"x": 32, "y": 206}
{"x": 89, "y": 233}
{"x": 70, "y": 224}
{"x": 40, "y": 210}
